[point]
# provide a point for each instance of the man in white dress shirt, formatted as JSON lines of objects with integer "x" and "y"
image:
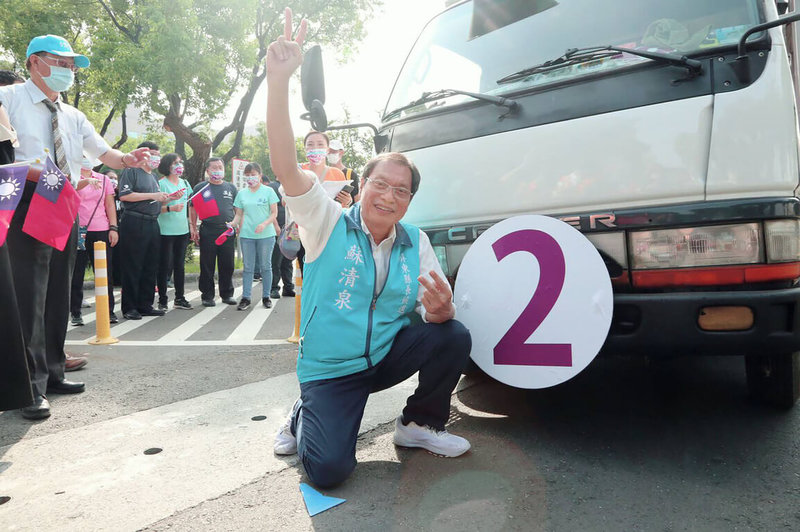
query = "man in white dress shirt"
{"x": 42, "y": 273}
{"x": 369, "y": 277}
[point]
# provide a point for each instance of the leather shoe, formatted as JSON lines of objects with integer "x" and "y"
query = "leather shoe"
{"x": 74, "y": 363}
{"x": 288, "y": 293}
{"x": 208, "y": 303}
{"x": 229, "y": 301}
{"x": 132, "y": 315}
{"x": 152, "y": 312}
{"x": 275, "y": 294}
{"x": 65, "y": 386}
{"x": 40, "y": 409}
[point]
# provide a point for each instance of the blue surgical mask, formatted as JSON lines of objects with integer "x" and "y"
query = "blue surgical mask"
{"x": 60, "y": 79}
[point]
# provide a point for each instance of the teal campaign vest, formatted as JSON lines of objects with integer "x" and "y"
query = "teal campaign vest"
{"x": 345, "y": 327}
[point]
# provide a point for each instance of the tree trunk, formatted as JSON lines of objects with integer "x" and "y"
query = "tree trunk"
{"x": 107, "y": 121}
{"x": 201, "y": 147}
{"x": 123, "y": 138}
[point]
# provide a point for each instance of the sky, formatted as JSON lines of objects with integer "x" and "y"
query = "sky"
{"x": 363, "y": 83}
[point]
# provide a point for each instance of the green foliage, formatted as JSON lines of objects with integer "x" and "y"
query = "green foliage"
{"x": 177, "y": 59}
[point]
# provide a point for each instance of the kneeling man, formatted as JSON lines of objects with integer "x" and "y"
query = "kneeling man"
{"x": 366, "y": 274}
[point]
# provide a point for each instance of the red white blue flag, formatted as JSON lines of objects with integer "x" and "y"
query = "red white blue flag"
{"x": 53, "y": 209}
{"x": 12, "y": 183}
{"x": 205, "y": 203}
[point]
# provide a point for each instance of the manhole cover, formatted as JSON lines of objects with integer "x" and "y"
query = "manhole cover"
{"x": 152, "y": 450}
{"x": 258, "y": 418}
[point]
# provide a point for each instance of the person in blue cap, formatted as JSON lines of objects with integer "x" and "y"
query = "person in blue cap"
{"x": 41, "y": 273}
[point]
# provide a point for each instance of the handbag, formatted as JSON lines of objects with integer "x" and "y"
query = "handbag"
{"x": 289, "y": 240}
{"x": 83, "y": 229}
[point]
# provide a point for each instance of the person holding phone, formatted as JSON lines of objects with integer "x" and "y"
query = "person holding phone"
{"x": 367, "y": 274}
{"x": 173, "y": 223}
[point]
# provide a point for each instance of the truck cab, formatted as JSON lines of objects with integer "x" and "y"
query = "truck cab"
{"x": 650, "y": 128}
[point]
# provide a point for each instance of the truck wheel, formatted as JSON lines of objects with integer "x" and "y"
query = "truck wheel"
{"x": 774, "y": 379}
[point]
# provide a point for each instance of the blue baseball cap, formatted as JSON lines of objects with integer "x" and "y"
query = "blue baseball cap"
{"x": 53, "y": 44}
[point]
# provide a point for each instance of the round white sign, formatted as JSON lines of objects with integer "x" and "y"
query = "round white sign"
{"x": 536, "y": 297}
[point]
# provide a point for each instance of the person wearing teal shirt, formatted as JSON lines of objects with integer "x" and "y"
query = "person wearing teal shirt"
{"x": 174, "y": 227}
{"x": 256, "y": 209}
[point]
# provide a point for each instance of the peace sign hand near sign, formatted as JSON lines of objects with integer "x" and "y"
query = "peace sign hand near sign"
{"x": 284, "y": 54}
{"x": 437, "y": 299}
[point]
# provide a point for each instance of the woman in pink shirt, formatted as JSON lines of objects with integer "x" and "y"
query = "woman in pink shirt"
{"x": 98, "y": 211}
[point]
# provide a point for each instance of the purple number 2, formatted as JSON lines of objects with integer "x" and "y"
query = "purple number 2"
{"x": 512, "y": 349}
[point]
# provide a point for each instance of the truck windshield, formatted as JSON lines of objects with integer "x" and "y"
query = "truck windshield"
{"x": 473, "y": 45}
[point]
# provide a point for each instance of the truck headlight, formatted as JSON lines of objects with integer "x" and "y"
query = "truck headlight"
{"x": 717, "y": 245}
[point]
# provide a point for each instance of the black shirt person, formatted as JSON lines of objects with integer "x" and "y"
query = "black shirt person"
{"x": 213, "y": 256}
{"x": 140, "y": 238}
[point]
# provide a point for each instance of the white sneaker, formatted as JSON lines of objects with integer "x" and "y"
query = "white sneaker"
{"x": 285, "y": 442}
{"x": 438, "y": 442}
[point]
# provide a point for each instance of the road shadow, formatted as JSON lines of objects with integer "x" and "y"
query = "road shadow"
{"x": 630, "y": 443}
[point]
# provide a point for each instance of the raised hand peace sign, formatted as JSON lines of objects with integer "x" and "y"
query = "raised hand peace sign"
{"x": 284, "y": 54}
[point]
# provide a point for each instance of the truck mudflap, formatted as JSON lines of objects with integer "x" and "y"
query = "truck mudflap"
{"x": 668, "y": 324}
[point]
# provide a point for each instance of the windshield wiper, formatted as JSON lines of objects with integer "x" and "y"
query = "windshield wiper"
{"x": 575, "y": 56}
{"x": 426, "y": 97}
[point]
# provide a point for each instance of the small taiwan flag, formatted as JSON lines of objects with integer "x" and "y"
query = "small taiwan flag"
{"x": 12, "y": 182}
{"x": 205, "y": 204}
{"x": 53, "y": 209}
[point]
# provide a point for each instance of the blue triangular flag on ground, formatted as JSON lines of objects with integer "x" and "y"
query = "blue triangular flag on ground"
{"x": 317, "y": 502}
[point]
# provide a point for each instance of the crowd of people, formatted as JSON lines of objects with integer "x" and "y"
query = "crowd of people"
{"x": 351, "y": 243}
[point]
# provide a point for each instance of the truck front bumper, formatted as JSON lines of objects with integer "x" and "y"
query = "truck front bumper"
{"x": 666, "y": 324}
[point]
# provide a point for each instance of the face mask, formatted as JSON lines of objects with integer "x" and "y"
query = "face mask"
{"x": 217, "y": 175}
{"x": 251, "y": 181}
{"x": 154, "y": 161}
{"x": 316, "y": 156}
{"x": 113, "y": 182}
{"x": 333, "y": 158}
{"x": 177, "y": 169}
{"x": 60, "y": 79}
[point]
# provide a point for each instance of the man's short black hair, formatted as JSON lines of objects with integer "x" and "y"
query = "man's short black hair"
{"x": 211, "y": 160}
{"x": 149, "y": 145}
{"x": 7, "y": 77}
{"x": 165, "y": 166}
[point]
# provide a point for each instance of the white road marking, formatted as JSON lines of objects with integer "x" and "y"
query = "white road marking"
{"x": 210, "y": 447}
{"x": 248, "y": 329}
{"x": 185, "y": 343}
{"x": 195, "y": 323}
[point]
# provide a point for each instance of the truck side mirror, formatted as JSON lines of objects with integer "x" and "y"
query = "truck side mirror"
{"x": 312, "y": 86}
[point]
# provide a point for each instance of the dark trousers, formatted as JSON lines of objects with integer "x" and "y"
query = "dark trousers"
{"x": 87, "y": 256}
{"x": 327, "y": 421}
{"x": 213, "y": 256}
{"x": 281, "y": 270}
{"x": 139, "y": 239}
{"x": 42, "y": 285}
{"x": 15, "y": 381}
{"x": 173, "y": 253}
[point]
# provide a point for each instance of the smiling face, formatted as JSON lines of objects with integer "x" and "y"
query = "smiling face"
{"x": 382, "y": 210}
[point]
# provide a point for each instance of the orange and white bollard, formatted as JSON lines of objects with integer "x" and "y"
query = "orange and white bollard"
{"x": 103, "y": 336}
{"x": 298, "y": 285}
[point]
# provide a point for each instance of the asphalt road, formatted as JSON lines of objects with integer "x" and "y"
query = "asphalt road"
{"x": 626, "y": 445}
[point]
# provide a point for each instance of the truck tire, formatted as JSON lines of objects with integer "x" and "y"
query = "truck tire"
{"x": 774, "y": 379}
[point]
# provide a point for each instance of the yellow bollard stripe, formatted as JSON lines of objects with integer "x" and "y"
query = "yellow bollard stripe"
{"x": 101, "y": 296}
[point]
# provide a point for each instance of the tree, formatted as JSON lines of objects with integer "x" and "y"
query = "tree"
{"x": 181, "y": 61}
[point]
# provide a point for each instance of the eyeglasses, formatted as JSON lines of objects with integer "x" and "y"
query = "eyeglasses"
{"x": 401, "y": 193}
{"x": 63, "y": 63}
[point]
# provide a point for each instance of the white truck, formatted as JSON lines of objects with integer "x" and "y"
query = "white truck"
{"x": 666, "y": 132}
